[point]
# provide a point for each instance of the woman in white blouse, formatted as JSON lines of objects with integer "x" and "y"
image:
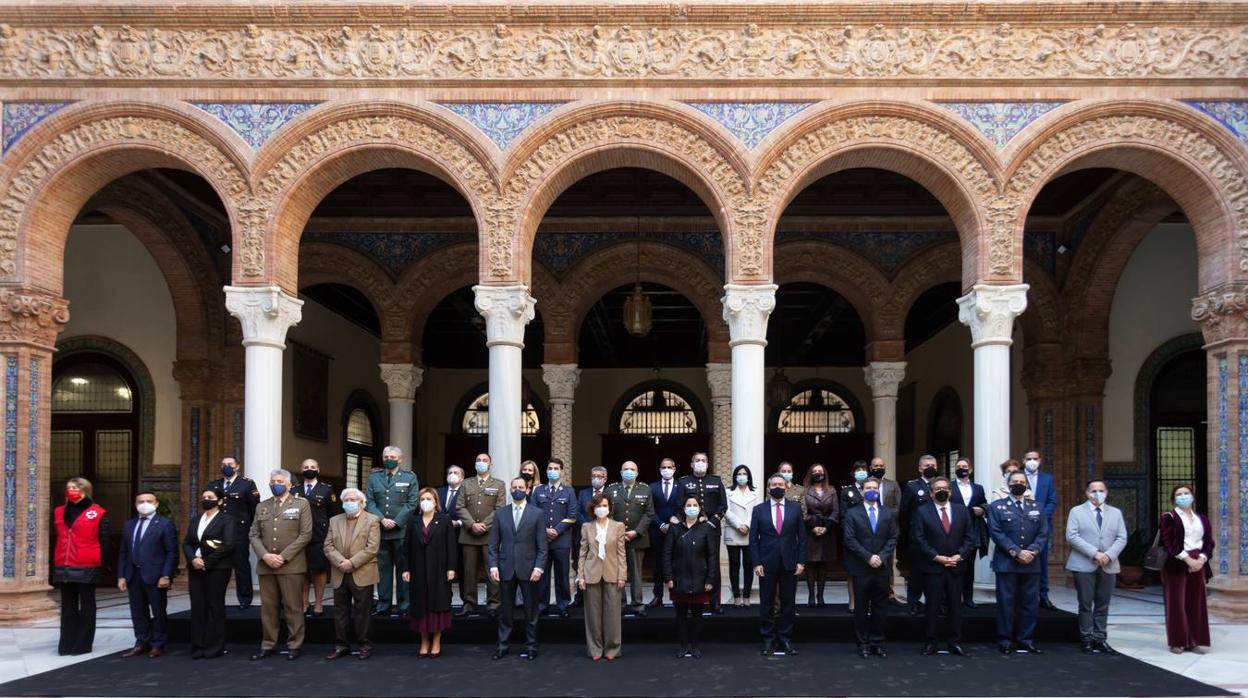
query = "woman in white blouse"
{"x": 1188, "y": 539}
{"x": 603, "y": 570}
{"x": 741, "y": 502}
{"x": 209, "y": 548}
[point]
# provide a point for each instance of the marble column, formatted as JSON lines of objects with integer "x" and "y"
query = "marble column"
{"x": 30, "y": 321}
{"x": 1223, "y": 316}
{"x": 402, "y": 381}
{"x": 561, "y": 380}
{"x": 719, "y": 379}
{"x": 265, "y": 314}
{"x": 506, "y": 309}
{"x": 884, "y": 378}
{"x": 746, "y": 309}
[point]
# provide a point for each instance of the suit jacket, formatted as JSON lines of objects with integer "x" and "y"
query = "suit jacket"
{"x": 216, "y": 546}
{"x": 1045, "y": 494}
{"x": 477, "y": 503}
{"x": 1172, "y": 540}
{"x": 635, "y": 510}
{"x": 783, "y": 550}
{"x": 665, "y": 508}
{"x": 980, "y": 523}
{"x": 361, "y": 549}
{"x": 559, "y": 512}
{"x": 890, "y": 494}
{"x": 516, "y": 552}
{"x": 1087, "y": 539}
{"x": 156, "y": 556}
{"x": 452, "y": 509}
{"x": 930, "y": 538}
{"x": 861, "y": 542}
{"x": 611, "y": 569}
{"x": 1013, "y": 530}
{"x": 284, "y": 529}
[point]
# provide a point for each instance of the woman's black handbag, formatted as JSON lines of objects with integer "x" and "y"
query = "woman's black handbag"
{"x": 1156, "y": 556}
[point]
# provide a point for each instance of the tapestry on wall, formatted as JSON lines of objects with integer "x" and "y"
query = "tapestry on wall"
{"x": 311, "y": 392}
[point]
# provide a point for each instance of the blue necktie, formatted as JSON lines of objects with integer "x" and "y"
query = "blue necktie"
{"x": 138, "y": 538}
{"x": 871, "y": 512}
{"x": 1099, "y": 520}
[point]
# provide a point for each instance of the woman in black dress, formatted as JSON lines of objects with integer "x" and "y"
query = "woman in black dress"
{"x": 430, "y": 556}
{"x": 690, "y": 561}
{"x": 209, "y": 549}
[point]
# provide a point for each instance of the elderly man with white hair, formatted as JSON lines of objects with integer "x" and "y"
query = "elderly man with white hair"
{"x": 280, "y": 531}
{"x": 391, "y": 496}
{"x": 351, "y": 548}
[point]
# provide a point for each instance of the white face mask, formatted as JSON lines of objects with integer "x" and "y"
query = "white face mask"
{"x": 699, "y": 468}
{"x": 667, "y": 473}
{"x": 598, "y": 483}
{"x": 145, "y": 509}
{"x": 427, "y": 505}
{"x": 1032, "y": 465}
{"x": 1099, "y": 497}
{"x": 601, "y": 512}
{"x": 452, "y": 479}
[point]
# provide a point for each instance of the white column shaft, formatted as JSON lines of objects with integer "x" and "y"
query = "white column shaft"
{"x": 402, "y": 381}
{"x": 746, "y": 309}
{"x": 506, "y": 309}
{"x": 401, "y": 410}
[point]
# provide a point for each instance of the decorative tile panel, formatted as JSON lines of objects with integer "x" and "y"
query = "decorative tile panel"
{"x": 887, "y": 250}
{"x": 1130, "y": 494}
{"x": 255, "y": 122}
{"x": 33, "y": 435}
{"x": 1232, "y": 115}
{"x": 10, "y": 465}
{"x": 194, "y": 491}
{"x": 1000, "y": 121}
{"x": 1243, "y": 463}
{"x": 394, "y": 251}
{"x": 1224, "y": 530}
{"x": 750, "y": 121}
{"x": 561, "y": 251}
{"x": 20, "y": 117}
{"x": 502, "y": 121}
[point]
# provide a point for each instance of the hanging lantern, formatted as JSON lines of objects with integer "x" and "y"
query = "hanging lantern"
{"x": 779, "y": 390}
{"x": 637, "y": 313}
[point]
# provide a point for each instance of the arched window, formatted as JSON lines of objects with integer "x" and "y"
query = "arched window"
{"x": 476, "y": 417}
{"x": 656, "y": 408}
{"x": 360, "y": 438}
{"x": 944, "y": 436}
{"x": 818, "y": 408}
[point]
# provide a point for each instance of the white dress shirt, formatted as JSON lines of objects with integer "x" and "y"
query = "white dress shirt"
{"x": 204, "y": 519}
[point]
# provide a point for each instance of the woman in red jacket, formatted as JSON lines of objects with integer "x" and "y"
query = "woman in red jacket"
{"x": 81, "y": 529}
{"x": 1188, "y": 539}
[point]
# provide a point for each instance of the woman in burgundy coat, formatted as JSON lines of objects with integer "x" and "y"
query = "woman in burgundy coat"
{"x": 1188, "y": 539}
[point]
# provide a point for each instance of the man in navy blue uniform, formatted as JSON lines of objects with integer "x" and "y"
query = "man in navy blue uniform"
{"x": 778, "y": 549}
{"x": 944, "y": 544}
{"x": 667, "y": 503}
{"x": 1045, "y": 491}
{"x": 558, "y": 504}
{"x": 149, "y": 555}
{"x": 1020, "y": 533}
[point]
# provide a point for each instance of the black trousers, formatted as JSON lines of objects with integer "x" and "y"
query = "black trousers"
{"x": 207, "y": 591}
{"x": 716, "y": 577}
{"x": 939, "y": 587}
{"x": 529, "y": 592}
{"x": 968, "y": 578}
{"x": 353, "y": 614}
{"x": 689, "y": 624}
{"x": 775, "y": 628}
{"x": 77, "y": 618}
{"x": 242, "y": 567}
{"x": 148, "y": 613}
{"x": 739, "y": 565}
{"x": 870, "y": 609}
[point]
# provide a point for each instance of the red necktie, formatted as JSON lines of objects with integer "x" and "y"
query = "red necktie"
{"x": 944, "y": 519}
{"x": 779, "y": 517}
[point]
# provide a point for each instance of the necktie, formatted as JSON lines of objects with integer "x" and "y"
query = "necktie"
{"x": 138, "y": 538}
{"x": 1099, "y": 520}
{"x": 449, "y": 494}
{"x": 667, "y": 489}
{"x": 515, "y": 516}
{"x": 779, "y": 517}
{"x": 307, "y": 490}
{"x": 871, "y": 515}
{"x": 944, "y": 518}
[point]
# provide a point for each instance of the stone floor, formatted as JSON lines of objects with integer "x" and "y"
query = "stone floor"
{"x": 1136, "y": 629}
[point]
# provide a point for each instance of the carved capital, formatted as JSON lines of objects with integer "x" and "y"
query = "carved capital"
{"x": 264, "y": 312}
{"x": 746, "y": 309}
{"x": 402, "y": 380}
{"x": 506, "y": 309}
{"x": 719, "y": 378}
{"x": 562, "y": 380}
{"x": 884, "y": 377}
{"x": 1222, "y": 312}
{"x": 989, "y": 311}
{"x": 32, "y": 317}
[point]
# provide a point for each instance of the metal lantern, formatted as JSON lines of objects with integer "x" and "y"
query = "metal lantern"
{"x": 637, "y": 313}
{"x": 779, "y": 390}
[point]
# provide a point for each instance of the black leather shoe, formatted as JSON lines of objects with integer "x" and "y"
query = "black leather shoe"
{"x": 684, "y": 652}
{"x": 499, "y": 654}
{"x": 380, "y": 613}
{"x": 564, "y": 614}
{"x": 529, "y": 655}
{"x": 915, "y": 609}
{"x": 244, "y": 605}
{"x": 955, "y": 648}
{"x": 640, "y": 611}
{"x": 879, "y": 652}
{"x": 696, "y": 653}
{"x": 1030, "y": 648}
{"x": 136, "y": 651}
{"x": 789, "y": 649}
{"x": 338, "y": 653}
{"x": 292, "y": 655}
{"x": 262, "y": 654}
{"x": 929, "y": 649}
{"x": 970, "y": 604}
{"x": 1005, "y": 648}
{"x": 864, "y": 652}
{"x": 1087, "y": 648}
{"x": 767, "y": 651}
{"x": 1105, "y": 648}
{"x": 365, "y": 653}
{"x": 492, "y": 614}
{"x": 1047, "y": 605}
{"x": 656, "y": 602}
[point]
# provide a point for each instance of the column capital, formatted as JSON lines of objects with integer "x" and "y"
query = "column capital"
{"x": 561, "y": 380}
{"x": 29, "y": 316}
{"x": 746, "y": 309}
{"x": 1222, "y": 312}
{"x": 989, "y": 310}
{"x": 265, "y": 313}
{"x": 506, "y": 309}
{"x": 402, "y": 380}
{"x": 884, "y": 377}
{"x": 719, "y": 378}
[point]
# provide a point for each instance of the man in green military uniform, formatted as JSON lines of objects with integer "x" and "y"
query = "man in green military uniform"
{"x": 391, "y": 495}
{"x": 279, "y": 534}
{"x": 479, "y": 498}
{"x": 633, "y": 503}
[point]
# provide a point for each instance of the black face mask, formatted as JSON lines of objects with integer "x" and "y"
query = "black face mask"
{"x": 817, "y": 477}
{"x": 1018, "y": 489}
{"x": 941, "y": 496}
{"x": 227, "y": 470}
{"x": 776, "y": 492}
{"x": 528, "y": 477}
{"x": 310, "y": 474}
{"x": 963, "y": 472}
{"x": 208, "y": 504}
{"x": 877, "y": 473}
{"x": 929, "y": 472}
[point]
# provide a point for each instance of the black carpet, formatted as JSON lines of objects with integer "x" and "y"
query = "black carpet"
{"x": 736, "y": 669}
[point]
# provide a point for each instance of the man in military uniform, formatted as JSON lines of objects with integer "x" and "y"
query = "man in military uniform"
{"x": 916, "y": 494}
{"x": 558, "y": 504}
{"x": 1019, "y": 532}
{"x": 321, "y": 498}
{"x": 709, "y": 489}
{"x": 479, "y": 498}
{"x": 391, "y": 495}
{"x": 239, "y": 497}
{"x": 633, "y": 504}
{"x": 279, "y": 533}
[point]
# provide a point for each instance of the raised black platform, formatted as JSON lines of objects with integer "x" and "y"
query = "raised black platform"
{"x": 828, "y": 624}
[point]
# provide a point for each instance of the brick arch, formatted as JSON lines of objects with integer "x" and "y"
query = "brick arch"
{"x": 61, "y": 163}
{"x": 1184, "y": 152}
{"x": 1045, "y": 317}
{"x": 840, "y": 269}
{"x": 330, "y": 145}
{"x": 670, "y": 139}
{"x": 935, "y": 265}
{"x": 924, "y": 143}
{"x": 423, "y": 284}
{"x": 327, "y": 263}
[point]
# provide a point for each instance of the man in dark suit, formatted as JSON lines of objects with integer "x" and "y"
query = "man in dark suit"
{"x": 238, "y": 501}
{"x": 448, "y": 497}
{"x": 1044, "y": 490}
{"x": 970, "y": 494}
{"x": 778, "y": 549}
{"x": 149, "y": 555}
{"x": 870, "y": 541}
{"x": 667, "y": 503}
{"x": 597, "y": 485}
{"x": 1020, "y": 533}
{"x": 943, "y": 543}
{"x": 709, "y": 489}
{"x": 916, "y": 494}
{"x": 516, "y": 555}
{"x": 558, "y": 504}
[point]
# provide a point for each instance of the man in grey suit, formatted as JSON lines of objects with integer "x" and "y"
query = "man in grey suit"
{"x": 517, "y": 555}
{"x": 1097, "y": 534}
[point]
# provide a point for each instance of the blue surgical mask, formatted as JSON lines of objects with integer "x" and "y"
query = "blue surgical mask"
{"x": 743, "y": 479}
{"x": 518, "y": 495}
{"x": 860, "y": 475}
{"x": 692, "y": 512}
{"x": 871, "y": 495}
{"x": 277, "y": 489}
{"x": 552, "y": 475}
{"x": 351, "y": 507}
{"x": 482, "y": 467}
{"x": 628, "y": 475}
{"x": 788, "y": 477}
{"x": 1183, "y": 500}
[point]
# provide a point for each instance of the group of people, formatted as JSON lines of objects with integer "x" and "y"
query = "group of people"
{"x": 395, "y": 549}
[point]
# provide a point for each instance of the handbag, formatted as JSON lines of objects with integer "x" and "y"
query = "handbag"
{"x": 1156, "y": 556}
